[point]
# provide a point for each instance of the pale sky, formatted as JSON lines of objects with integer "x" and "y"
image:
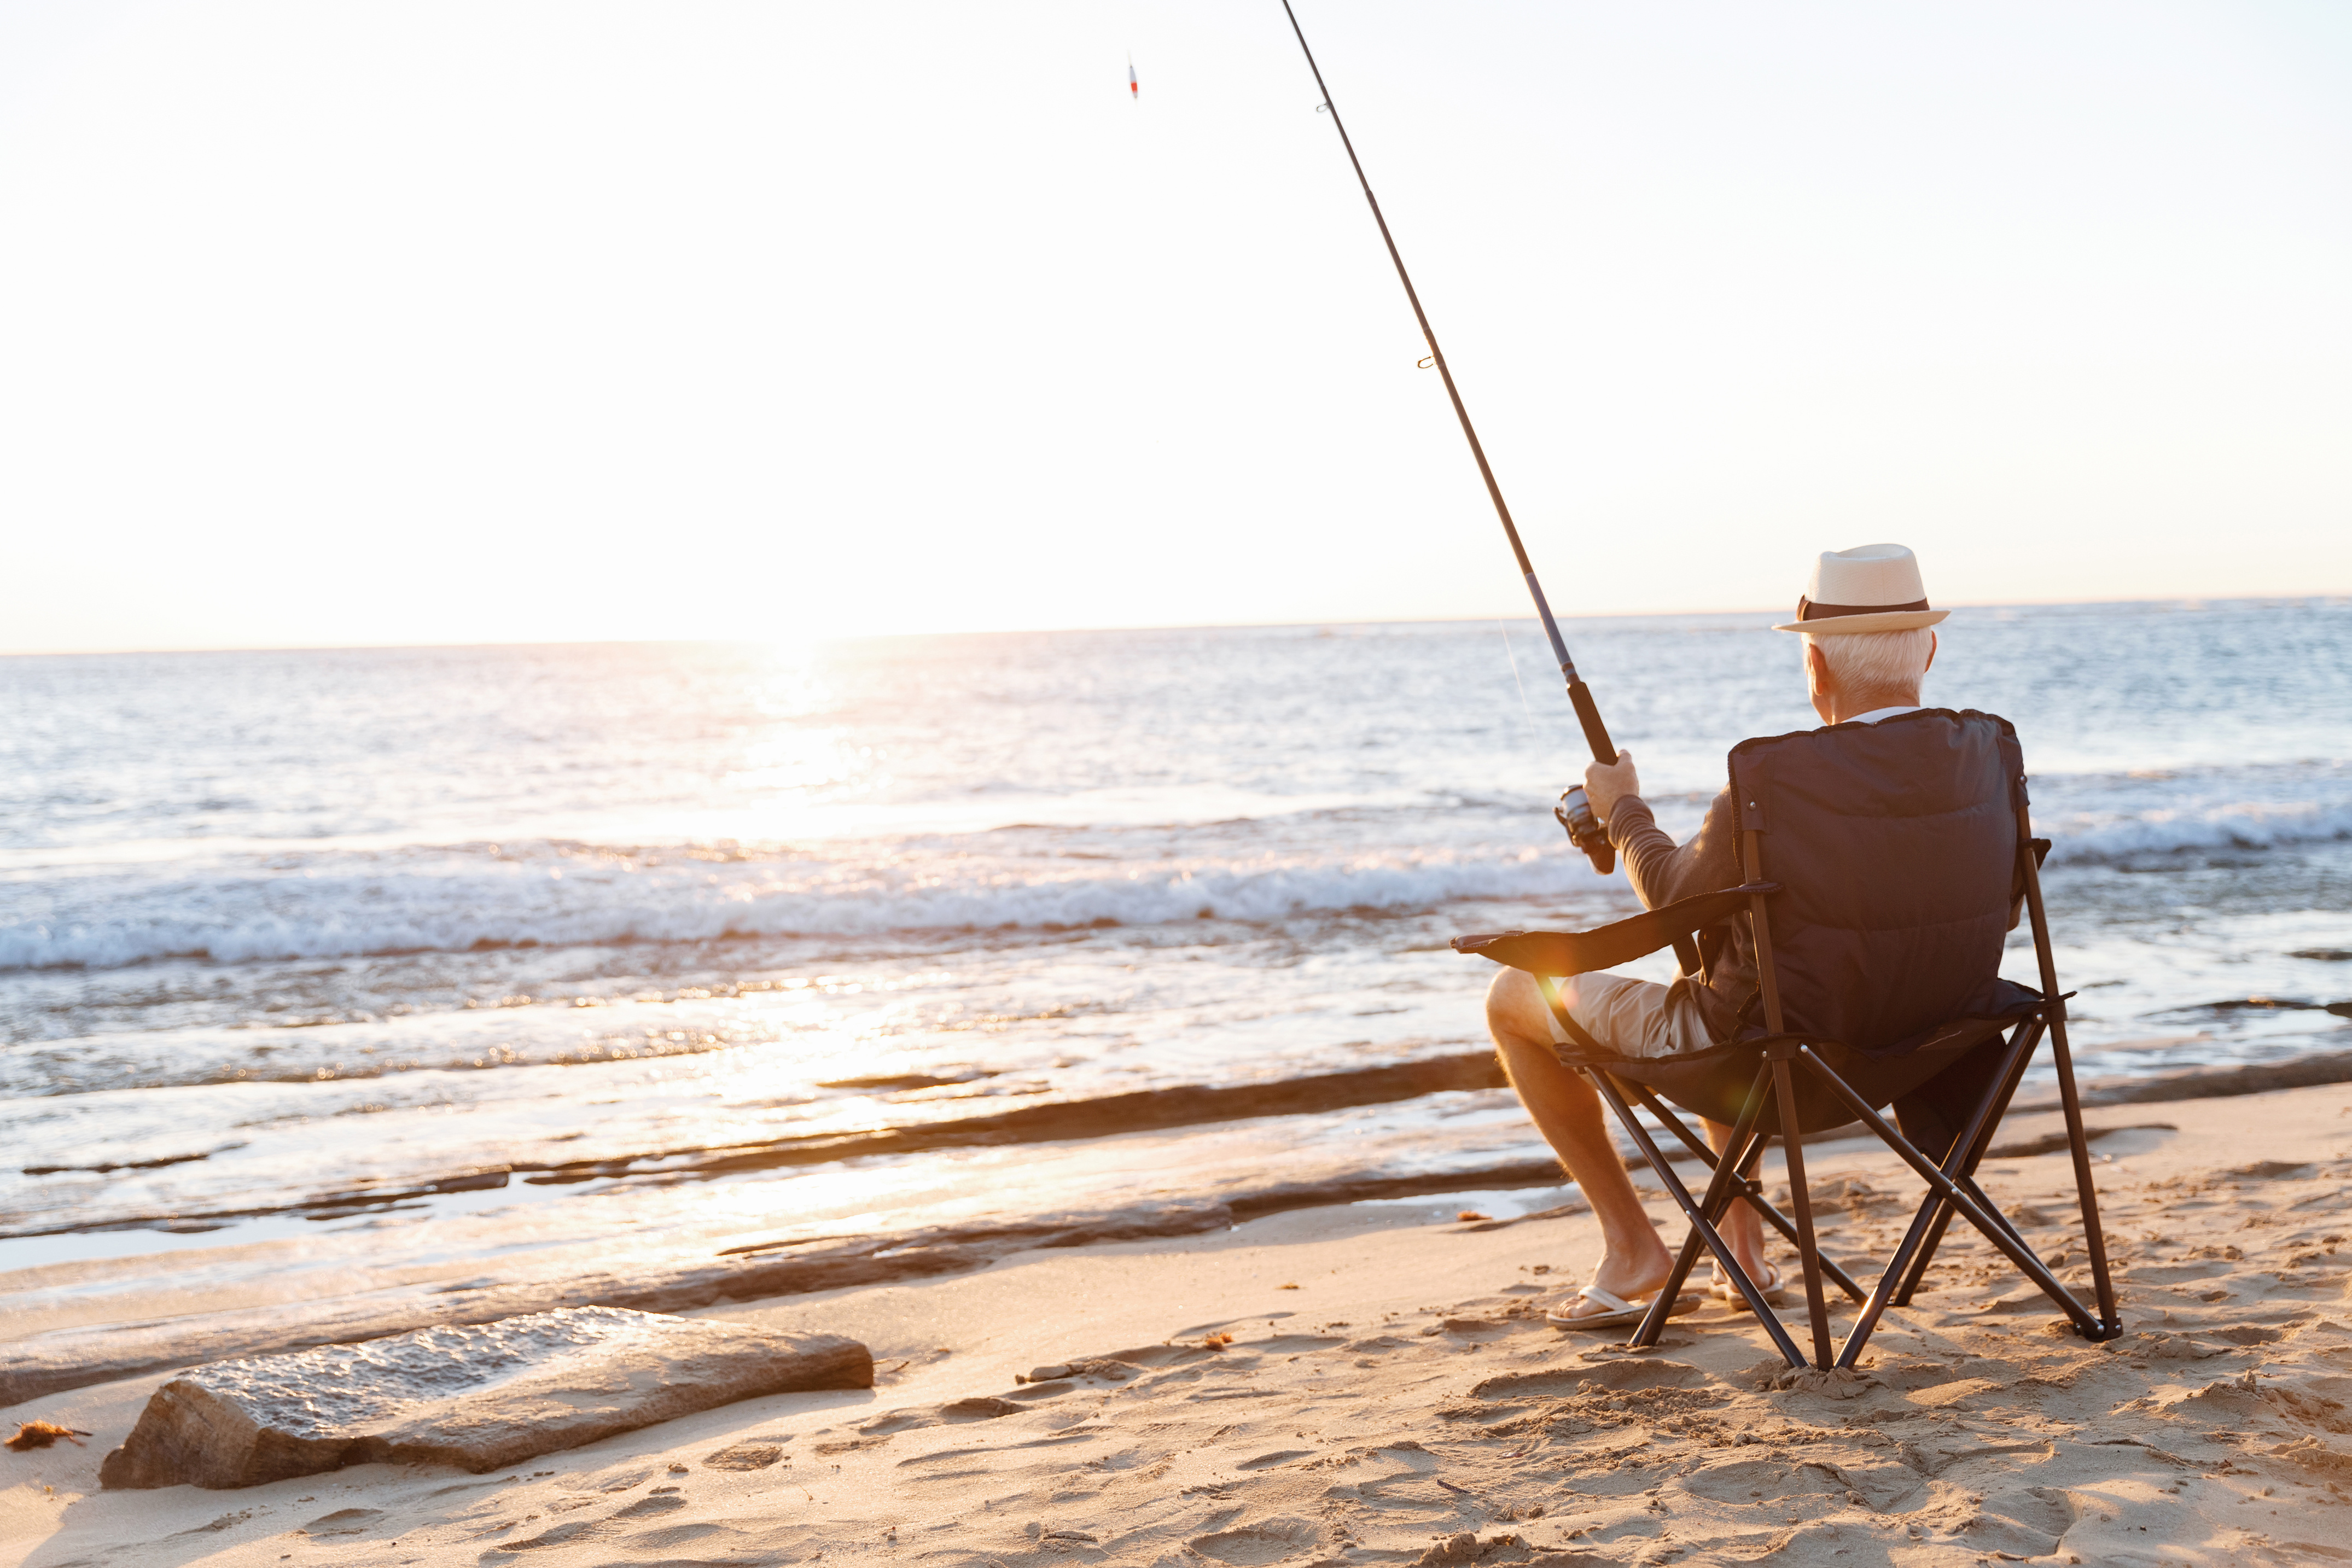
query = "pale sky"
{"x": 337, "y": 323}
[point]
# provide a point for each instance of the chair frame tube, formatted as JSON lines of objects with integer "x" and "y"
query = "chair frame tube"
{"x": 2062, "y": 1058}
{"x": 1960, "y": 1154}
{"x": 1776, "y": 1057}
{"x": 1748, "y": 1188}
{"x": 1745, "y": 1146}
{"x": 1809, "y": 1250}
{"x": 2035, "y": 1027}
{"x": 1699, "y": 1222}
{"x": 1996, "y": 1231}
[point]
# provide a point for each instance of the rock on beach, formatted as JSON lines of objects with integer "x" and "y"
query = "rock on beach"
{"x": 478, "y": 1396}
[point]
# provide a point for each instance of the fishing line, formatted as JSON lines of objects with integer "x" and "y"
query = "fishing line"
{"x": 1574, "y": 811}
{"x": 1525, "y": 706}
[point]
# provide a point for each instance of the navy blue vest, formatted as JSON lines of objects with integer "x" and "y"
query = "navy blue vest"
{"x": 1894, "y": 844}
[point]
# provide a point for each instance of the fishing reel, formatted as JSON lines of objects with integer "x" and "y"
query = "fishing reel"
{"x": 1575, "y": 813}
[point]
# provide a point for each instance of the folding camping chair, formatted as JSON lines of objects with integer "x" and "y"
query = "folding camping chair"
{"x": 1899, "y": 850}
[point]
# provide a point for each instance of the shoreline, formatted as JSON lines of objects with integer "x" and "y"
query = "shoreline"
{"x": 1218, "y": 1196}
{"x": 1107, "y": 1116}
{"x": 1392, "y": 1389}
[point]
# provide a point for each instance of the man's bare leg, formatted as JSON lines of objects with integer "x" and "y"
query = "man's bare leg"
{"x": 1743, "y": 1227}
{"x": 1633, "y": 1262}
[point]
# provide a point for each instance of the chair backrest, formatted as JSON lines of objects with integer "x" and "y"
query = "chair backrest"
{"x": 1894, "y": 844}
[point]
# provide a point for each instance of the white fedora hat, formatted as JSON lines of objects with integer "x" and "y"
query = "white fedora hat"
{"x": 1870, "y": 587}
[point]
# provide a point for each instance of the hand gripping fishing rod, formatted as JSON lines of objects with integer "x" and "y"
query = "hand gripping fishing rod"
{"x": 1574, "y": 811}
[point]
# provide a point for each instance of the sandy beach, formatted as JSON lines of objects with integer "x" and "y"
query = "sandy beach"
{"x": 763, "y": 767}
{"x": 1389, "y": 1394}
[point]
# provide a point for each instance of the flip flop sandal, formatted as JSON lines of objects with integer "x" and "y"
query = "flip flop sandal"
{"x": 1617, "y": 1311}
{"x": 1772, "y": 1287}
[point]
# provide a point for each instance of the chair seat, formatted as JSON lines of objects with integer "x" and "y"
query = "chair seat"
{"x": 1715, "y": 1083}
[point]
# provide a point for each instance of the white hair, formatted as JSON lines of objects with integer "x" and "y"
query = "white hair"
{"x": 1876, "y": 661}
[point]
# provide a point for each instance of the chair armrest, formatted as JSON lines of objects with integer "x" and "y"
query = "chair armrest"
{"x": 2041, "y": 848}
{"x": 1582, "y": 952}
{"x": 2017, "y": 877}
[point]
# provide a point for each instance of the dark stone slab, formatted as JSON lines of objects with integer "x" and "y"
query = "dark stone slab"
{"x": 479, "y": 1398}
{"x": 2211, "y": 1082}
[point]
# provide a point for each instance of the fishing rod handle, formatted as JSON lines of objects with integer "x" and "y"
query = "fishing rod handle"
{"x": 1575, "y": 809}
{"x": 1596, "y": 733}
{"x": 1588, "y": 713}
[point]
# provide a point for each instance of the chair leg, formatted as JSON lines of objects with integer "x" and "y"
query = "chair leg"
{"x": 1993, "y": 1208}
{"x": 2030, "y": 1034}
{"x": 1673, "y": 1124}
{"x": 1935, "y": 1212}
{"x": 2062, "y": 1056}
{"x": 1700, "y": 1223}
{"x": 1743, "y": 1158}
{"x": 1931, "y": 1217}
{"x": 1918, "y": 1270}
{"x": 1752, "y": 1192}
{"x": 1936, "y": 1236}
{"x": 1686, "y": 1259}
{"x": 1715, "y": 1209}
{"x": 1793, "y": 1152}
{"x": 1747, "y": 1191}
{"x": 2094, "y": 1242}
{"x": 1653, "y": 1322}
{"x": 1994, "y": 1230}
{"x": 1932, "y": 1209}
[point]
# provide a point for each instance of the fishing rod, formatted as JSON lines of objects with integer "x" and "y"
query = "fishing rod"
{"x": 1574, "y": 811}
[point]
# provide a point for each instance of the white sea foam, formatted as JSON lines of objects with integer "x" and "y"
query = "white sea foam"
{"x": 325, "y": 916}
{"x": 554, "y": 896}
{"x": 2090, "y": 839}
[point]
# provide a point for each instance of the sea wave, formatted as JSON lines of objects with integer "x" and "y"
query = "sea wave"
{"x": 320, "y": 916}
{"x": 2108, "y": 839}
{"x": 454, "y": 899}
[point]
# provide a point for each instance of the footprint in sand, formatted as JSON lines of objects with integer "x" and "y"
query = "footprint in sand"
{"x": 744, "y": 1456}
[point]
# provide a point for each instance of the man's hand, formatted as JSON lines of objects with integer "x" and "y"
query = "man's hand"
{"x": 1605, "y": 782}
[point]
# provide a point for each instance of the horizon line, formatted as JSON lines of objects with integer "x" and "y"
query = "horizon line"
{"x": 300, "y": 647}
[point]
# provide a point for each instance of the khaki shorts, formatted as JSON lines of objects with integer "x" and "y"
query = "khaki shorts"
{"x": 1632, "y": 1017}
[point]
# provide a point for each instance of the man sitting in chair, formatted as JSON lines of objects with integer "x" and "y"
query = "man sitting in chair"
{"x": 1865, "y": 622}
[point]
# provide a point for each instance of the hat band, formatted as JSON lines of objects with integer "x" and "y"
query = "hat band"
{"x": 1808, "y": 610}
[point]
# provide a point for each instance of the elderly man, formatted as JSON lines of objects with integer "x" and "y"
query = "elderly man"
{"x": 1864, "y": 621}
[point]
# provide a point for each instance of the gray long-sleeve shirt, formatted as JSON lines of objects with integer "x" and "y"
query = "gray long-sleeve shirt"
{"x": 1663, "y": 871}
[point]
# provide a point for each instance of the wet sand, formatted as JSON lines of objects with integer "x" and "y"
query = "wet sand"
{"x": 679, "y": 1242}
{"x": 1391, "y": 1395}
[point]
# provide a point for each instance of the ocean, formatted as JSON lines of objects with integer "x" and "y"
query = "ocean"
{"x": 346, "y": 966}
